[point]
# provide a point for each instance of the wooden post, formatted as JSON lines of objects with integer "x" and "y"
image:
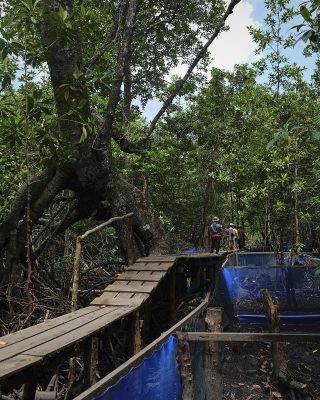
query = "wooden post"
{"x": 212, "y": 362}
{"x": 146, "y": 322}
{"x": 76, "y": 275}
{"x": 130, "y": 254}
{"x": 202, "y": 273}
{"x": 29, "y": 389}
{"x": 172, "y": 296}
{"x": 272, "y": 312}
{"x": 135, "y": 343}
{"x": 91, "y": 358}
{"x": 76, "y": 265}
{"x": 185, "y": 367}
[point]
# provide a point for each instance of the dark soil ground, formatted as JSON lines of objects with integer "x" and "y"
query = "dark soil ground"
{"x": 247, "y": 370}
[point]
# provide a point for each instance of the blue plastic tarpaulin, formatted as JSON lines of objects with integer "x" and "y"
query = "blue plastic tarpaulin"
{"x": 190, "y": 251}
{"x": 156, "y": 378}
{"x": 296, "y": 289}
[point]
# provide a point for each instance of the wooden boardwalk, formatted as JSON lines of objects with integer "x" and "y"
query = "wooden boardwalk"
{"x": 31, "y": 347}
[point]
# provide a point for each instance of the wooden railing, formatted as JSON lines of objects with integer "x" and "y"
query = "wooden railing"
{"x": 113, "y": 377}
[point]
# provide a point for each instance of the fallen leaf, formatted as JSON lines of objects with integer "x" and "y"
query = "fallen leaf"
{"x": 241, "y": 384}
{"x": 314, "y": 351}
{"x": 2, "y": 343}
{"x": 277, "y": 395}
{"x": 256, "y": 386}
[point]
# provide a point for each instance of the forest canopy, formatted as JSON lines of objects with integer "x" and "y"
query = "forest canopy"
{"x": 75, "y": 149}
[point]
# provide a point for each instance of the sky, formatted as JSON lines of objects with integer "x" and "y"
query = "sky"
{"x": 236, "y": 46}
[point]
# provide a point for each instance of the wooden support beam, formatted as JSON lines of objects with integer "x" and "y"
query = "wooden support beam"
{"x": 135, "y": 343}
{"x": 91, "y": 359}
{"x": 212, "y": 361}
{"x": 29, "y": 388}
{"x": 185, "y": 368}
{"x": 253, "y": 337}
{"x": 172, "y": 296}
{"x": 130, "y": 251}
{"x": 271, "y": 309}
{"x": 146, "y": 322}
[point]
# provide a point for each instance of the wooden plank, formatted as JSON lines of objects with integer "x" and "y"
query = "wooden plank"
{"x": 202, "y": 255}
{"x": 151, "y": 267}
{"x": 158, "y": 259}
{"x": 150, "y": 276}
{"x": 46, "y": 336}
{"x": 253, "y": 337}
{"x": 42, "y": 327}
{"x": 17, "y": 363}
{"x": 109, "y": 379}
{"x": 131, "y": 287}
{"x": 79, "y": 333}
{"x": 109, "y": 299}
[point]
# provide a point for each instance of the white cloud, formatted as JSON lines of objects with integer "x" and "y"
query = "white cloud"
{"x": 234, "y": 46}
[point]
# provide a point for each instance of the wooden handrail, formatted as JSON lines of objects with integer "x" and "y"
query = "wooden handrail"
{"x": 111, "y": 378}
{"x": 76, "y": 265}
{"x": 251, "y": 337}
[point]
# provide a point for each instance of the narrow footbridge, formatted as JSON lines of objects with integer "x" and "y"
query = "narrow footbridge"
{"x": 25, "y": 356}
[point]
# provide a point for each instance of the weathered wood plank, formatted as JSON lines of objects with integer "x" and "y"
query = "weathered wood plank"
{"x": 42, "y": 327}
{"x": 131, "y": 287}
{"x": 161, "y": 259}
{"x": 253, "y": 337}
{"x": 17, "y": 363}
{"x": 108, "y": 298}
{"x": 79, "y": 333}
{"x": 185, "y": 368}
{"x": 150, "y": 276}
{"x": 56, "y": 332}
{"x": 212, "y": 361}
{"x": 151, "y": 267}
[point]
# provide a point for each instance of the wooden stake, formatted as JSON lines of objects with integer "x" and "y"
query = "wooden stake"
{"x": 172, "y": 296}
{"x": 185, "y": 367}
{"x": 76, "y": 275}
{"x": 272, "y": 312}
{"x": 29, "y": 389}
{"x": 91, "y": 358}
{"x": 135, "y": 343}
{"x": 130, "y": 253}
{"x": 212, "y": 362}
{"x": 146, "y": 322}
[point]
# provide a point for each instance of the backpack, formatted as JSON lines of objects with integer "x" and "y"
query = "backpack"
{"x": 215, "y": 229}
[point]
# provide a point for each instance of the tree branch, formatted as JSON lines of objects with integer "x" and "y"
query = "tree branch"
{"x": 195, "y": 62}
{"x": 124, "y": 53}
{"x": 132, "y": 147}
{"x": 111, "y": 38}
{"x": 71, "y": 218}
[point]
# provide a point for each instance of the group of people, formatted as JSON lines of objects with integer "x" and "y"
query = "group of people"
{"x": 235, "y": 236}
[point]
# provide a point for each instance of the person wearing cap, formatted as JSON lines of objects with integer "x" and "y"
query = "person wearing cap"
{"x": 230, "y": 236}
{"x": 215, "y": 233}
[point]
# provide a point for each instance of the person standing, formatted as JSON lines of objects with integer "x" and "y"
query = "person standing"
{"x": 230, "y": 236}
{"x": 215, "y": 232}
{"x": 236, "y": 237}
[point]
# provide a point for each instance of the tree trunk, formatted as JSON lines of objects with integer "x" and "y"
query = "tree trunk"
{"x": 87, "y": 171}
{"x": 296, "y": 208}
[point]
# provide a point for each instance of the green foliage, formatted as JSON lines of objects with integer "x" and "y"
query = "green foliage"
{"x": 309, "y": 30}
